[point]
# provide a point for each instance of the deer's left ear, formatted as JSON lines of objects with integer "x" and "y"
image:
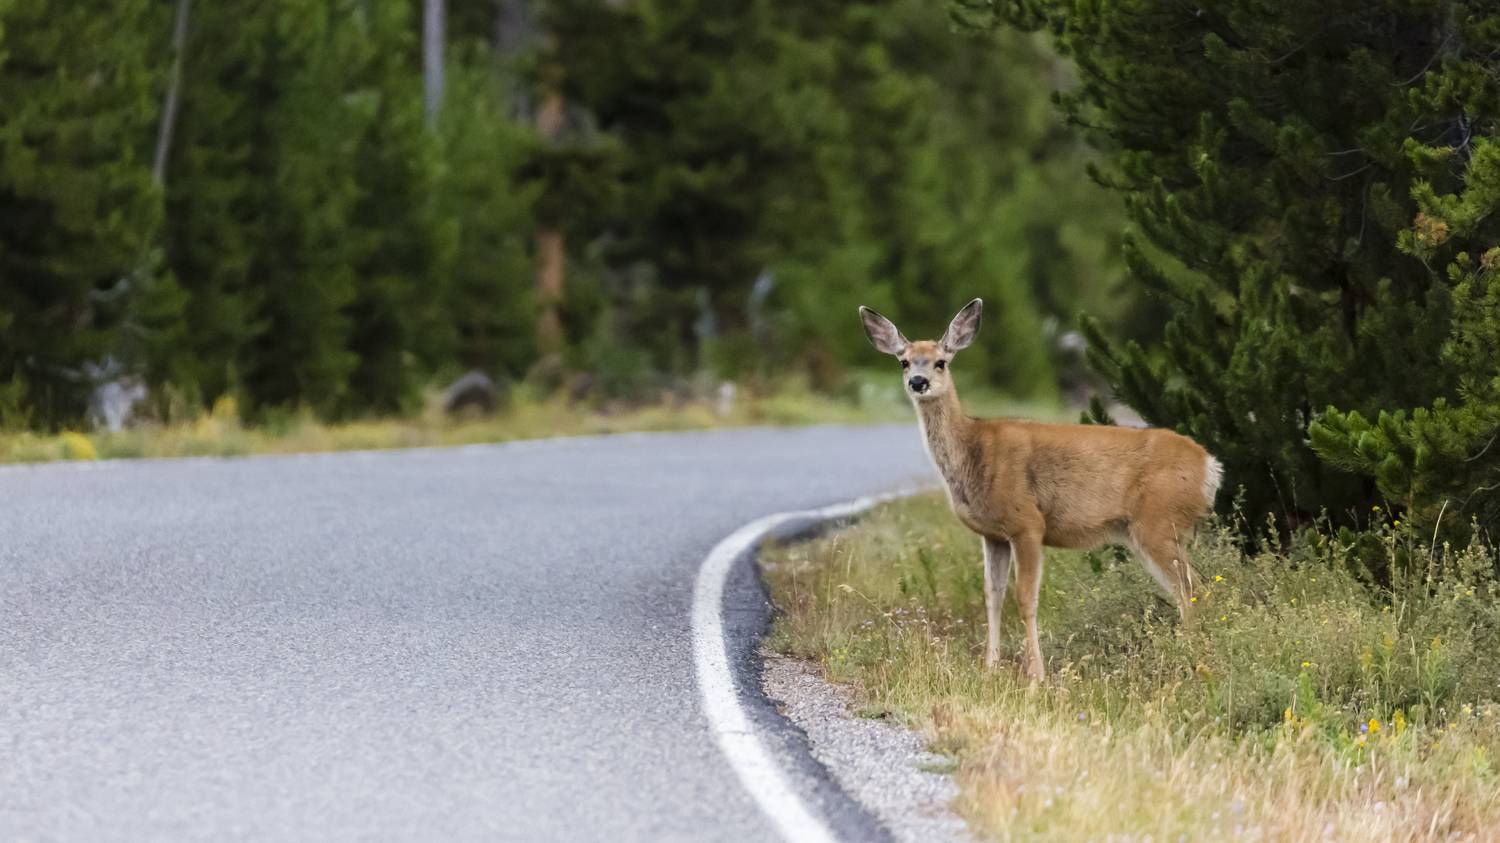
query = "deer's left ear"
{"x": 963, "y": 328}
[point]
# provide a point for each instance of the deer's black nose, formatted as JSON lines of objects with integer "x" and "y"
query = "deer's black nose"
{"x": 918, "y": 384}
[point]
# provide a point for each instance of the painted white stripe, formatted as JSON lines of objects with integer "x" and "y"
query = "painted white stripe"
{"x": 737, "y": 738}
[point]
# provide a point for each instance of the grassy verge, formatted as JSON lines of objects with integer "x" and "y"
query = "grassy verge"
{"x": 1306, "y": 704}
{"x": 223, "y": 433}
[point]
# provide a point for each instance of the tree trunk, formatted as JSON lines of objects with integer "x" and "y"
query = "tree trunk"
{"x": 174, "y": 95}
{"x": 549, "y": 289}
{"x": 432, "y": 58}
{"x": 550, "y": 245}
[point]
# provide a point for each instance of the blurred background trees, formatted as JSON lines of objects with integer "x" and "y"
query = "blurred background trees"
{"x": 1287, "y": 248}
{"x": 641, "y": 192}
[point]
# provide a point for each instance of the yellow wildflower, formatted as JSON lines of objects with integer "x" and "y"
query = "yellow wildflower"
{"x": 76, "y": 446}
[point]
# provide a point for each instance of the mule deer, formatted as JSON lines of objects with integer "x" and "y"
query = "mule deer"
{"x": 1021, "y": 484}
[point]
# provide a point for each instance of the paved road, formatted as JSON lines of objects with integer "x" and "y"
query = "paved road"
{"x": 451, "y": 644}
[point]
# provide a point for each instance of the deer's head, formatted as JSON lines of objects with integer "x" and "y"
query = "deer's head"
{"x": 924, "y": 363}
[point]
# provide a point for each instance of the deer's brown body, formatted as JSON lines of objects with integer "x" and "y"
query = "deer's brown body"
{"x": 1021, "y": 485}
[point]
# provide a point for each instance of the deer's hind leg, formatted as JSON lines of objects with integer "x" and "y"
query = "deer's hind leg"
{"x": 1028, "y": 594}
{"x": 996, "y": 579}
{"x": 1163, "y": 550}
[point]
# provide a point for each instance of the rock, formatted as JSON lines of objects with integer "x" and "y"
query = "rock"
{"x": 474, "y": 393}
{"x": 579, "y": 388}
{"x": 547, "y": 375}
{"x": 113, "y": 404}
{"x": 724, "y": 403}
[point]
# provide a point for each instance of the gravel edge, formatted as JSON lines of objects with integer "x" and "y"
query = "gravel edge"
{"x": 884, "y": 766}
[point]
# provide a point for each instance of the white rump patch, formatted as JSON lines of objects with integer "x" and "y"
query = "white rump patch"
{"x": 1213, "y": 475}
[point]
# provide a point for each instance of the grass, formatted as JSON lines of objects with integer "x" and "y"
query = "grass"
{"x": 223, "y": 433}
{"x": 1306, "y": 703}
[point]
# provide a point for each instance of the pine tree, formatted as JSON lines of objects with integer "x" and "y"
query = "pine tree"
{"x": 836, "y": 148}
{"x": 1277, "y": 162}
{"x": 261, "y": 190}
{"x": 947, "y": 177}
{"x": 1440, "y": 462}
{"x": 485, "y": 204}
{"x": 77, "y": 205}
{"x": 658, "y": 78}
{"x": 394, "y": 229}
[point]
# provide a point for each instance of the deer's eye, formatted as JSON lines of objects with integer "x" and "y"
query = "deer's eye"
{"x": 941, "y": 364}
{"x": 906, "y": 364}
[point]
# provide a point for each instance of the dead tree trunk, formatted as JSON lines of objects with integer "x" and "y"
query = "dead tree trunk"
{"x": 174, "y": 95}
{"x": 432, "y": 58}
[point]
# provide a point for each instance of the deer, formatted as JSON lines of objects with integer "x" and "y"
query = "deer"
{"x": 1023, "y": 485}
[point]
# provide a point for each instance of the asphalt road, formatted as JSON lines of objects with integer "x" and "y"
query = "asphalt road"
{"x": 449, "y": 644}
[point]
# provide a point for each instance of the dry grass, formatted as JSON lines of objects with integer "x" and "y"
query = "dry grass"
{"x": 223, "y": 433}
{"x": 868, "y": 398}
{"x": 1307, "y": 704}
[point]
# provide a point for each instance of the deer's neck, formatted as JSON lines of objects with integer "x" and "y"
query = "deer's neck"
{"x": 945, "y": 429}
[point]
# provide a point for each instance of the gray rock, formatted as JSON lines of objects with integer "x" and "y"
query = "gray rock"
{"x": 474, "y": 393}
{"x": 113, "y": 404}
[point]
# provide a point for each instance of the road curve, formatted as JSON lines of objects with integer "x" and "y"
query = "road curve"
{"x": 448, "y": 644}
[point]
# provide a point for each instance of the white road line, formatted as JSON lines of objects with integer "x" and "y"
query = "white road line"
{"x": 731, "y": 725}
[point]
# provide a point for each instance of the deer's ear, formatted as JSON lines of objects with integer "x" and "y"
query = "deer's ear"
{"x": 962, "y": 330}
{"x": 882, "y": 332}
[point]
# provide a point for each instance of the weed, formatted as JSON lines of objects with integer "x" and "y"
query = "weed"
{"x": 1305, "y": 701}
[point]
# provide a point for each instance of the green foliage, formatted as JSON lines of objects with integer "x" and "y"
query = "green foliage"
{"x": 337, "y": 254}
{"x": 1438, "y": 462}
{"x": 315, "y": 246}
{"x": 77, "y": 205}
{"x": 393, "y": 230}
{"x": 854, "y": 153}
{"x": 486, "y": 203}
{"x": 1299, "y": 175}
{"x": 261, "y": 196}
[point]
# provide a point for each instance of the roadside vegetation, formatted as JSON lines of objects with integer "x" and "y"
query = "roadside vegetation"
{"x": 223, "y": 432}
{"x": 530, "y": 414}
{"x": 1337, "y": 685}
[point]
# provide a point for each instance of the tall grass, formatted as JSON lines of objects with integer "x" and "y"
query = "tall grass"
{"x": 1305, "y": 702}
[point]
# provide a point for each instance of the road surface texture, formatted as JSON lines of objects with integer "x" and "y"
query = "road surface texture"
{"x": 451, "y": 644}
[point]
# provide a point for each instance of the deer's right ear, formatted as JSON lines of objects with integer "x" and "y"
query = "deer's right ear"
{"x": 882, "y": 332}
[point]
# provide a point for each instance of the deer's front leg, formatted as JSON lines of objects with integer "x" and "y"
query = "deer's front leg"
{"x": 1028, "y": 592}
{"x": 996, "y": 579}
